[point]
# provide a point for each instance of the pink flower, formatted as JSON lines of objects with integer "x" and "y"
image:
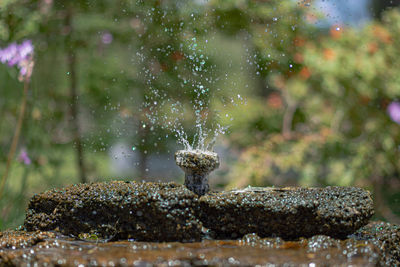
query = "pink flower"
{"x": 8, "y": 53}
{"x": 20, "y": 55}
{"x": 394, "y": 111}
{"x": 23, "y": 157}
{"x": 107, "y": 38}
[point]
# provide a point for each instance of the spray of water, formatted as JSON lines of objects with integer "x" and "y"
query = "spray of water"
{"x": 170, "y": 114}
{"x": 183, "y": 91}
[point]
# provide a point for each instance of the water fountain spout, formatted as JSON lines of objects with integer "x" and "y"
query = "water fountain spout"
{"x": 197, "y": 165}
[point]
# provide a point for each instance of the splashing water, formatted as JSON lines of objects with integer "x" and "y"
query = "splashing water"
{"x": 169, "y": 114}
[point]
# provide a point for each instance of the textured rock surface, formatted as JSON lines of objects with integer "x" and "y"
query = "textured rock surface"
{"x": 386, "y": 237}
{"x": 249, "y": 251}
{"x": 287, "y": 212}
{"x": 118, "y": 210}
{"x": 171, "y": 212}
{"x": 22, "y": 239}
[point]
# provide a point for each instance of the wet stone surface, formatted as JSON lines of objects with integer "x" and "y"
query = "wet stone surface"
{"x": 118, "y": 210}
{"x": 287, "y": 212}
{"x": 171, "y": 212}
{"x": 251, "y": 250}
{"x": 386, "y": 237}
{"x": 22, "y": 239}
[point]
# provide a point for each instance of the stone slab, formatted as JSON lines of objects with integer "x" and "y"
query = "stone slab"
{"x": 171, "y": 212}
{"x": 286, "y": 212}
{"x": 118, "y": 210}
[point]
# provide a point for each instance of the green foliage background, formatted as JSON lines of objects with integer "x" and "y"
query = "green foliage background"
{"x": 316, "y": 98}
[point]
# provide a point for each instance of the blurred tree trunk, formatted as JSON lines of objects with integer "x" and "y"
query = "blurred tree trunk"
{"x": 74, "y": 105}
{"x": 378, "y": 6}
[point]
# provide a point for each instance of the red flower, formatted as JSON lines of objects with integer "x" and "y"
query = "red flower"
{"x": 382, "y": 34}
{"x": 372, "y": 48}
{"x": 336, "y": 31}
{"x": 305, "y": 73}
{"x": 329, "y": 54}
{"x": 274, "y": 100}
